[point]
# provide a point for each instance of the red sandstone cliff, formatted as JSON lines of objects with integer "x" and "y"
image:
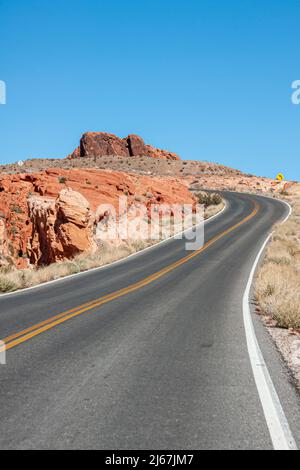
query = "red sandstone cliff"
{"x": 101, "y": 144}
{"x": 50, "y": 216}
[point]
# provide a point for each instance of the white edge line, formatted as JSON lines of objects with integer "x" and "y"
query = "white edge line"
{"x": 119, "y": 261}
{"x": 277, "y": 422}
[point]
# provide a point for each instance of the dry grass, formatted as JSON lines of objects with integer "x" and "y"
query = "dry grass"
{"x": 12, "y": 280}
{"x": 213, "y": 210}
{"x": 277, "y": 288}
{"x": 19, "y": 279}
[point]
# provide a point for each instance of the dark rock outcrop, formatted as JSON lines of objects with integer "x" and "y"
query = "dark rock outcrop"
{"x": 136, "y": 146}
{"x": 101, "y": 144}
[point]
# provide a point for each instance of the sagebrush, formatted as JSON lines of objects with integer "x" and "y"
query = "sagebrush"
{"x": 278, "y": 282}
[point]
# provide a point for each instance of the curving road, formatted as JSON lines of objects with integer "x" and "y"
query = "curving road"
{"x": 149, "y": 353}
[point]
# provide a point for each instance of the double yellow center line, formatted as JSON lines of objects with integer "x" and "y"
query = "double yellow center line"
{"x": 35, "y": 330}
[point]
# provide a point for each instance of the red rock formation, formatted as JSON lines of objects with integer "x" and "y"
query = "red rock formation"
{"x": 61, "y": 228}
{"x": 4, "y": 253}
{"x": 100, "y": 144}
{"x": 163, "y": 154}
{"x": 49, "y": 216}
{"x": 136, "y": 146}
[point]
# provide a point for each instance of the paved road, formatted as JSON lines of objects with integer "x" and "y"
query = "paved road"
{"x": 164, "y": 366}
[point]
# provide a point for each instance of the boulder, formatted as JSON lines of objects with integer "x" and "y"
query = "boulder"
{"x": 136, "y": 146}
{"x": 100, "y": 144}
{"x": 61, "y": 228}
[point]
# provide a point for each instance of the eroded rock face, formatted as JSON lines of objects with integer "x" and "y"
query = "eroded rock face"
{"x": 136, "y": 146}
{"x": 98, "y": 144}
{"x": 101, "y": 144}
{"x": 42, "y": 215}
{"x": 61, "y": 228}
{"x": 4, "y": 252}
{"x": 72, "y": 207}
{"x": 52, "y": 215}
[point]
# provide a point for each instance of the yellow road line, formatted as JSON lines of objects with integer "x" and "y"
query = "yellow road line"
{"x": 35, "y": 330}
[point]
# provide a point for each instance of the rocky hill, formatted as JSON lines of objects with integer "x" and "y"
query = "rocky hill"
{"x": 107, "y": 151}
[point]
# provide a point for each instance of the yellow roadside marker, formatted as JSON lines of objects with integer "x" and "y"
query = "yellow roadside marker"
{"x": 280, "y": 177}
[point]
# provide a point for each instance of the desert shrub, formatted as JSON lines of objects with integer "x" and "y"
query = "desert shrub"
{"x": 215, "y": 199}
{"x": 62, "y": 179}
{"x": 278, "y": 293}
{"x": 17, "y": 209}
{"x": 208, "y": 199}
{"x": 277, "y": 286}
{"x": 7, "y": 284}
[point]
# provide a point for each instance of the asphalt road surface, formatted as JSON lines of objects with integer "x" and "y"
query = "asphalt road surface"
{"x": 158, "y": 357}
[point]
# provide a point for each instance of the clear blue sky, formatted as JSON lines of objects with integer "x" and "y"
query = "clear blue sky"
{"x": 207, "y": 79}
